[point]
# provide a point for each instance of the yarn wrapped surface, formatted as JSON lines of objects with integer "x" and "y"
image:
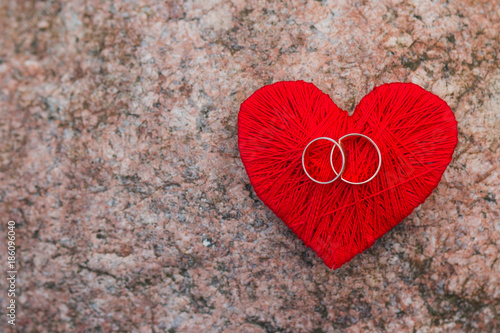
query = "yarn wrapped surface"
{"x": 415, "y": 130}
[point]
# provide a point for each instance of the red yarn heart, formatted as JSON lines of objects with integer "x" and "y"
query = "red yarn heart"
{"x": 415, "y": 131}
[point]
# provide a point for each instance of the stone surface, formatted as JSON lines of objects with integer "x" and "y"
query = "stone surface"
{"x": 119, "y": 162}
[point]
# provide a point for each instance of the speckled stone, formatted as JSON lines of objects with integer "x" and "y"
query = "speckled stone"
{"x": 119, "y": 162}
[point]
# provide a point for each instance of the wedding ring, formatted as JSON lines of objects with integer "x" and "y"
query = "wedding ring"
{"x": 331, "y": 160}
{"x": 340, "y": 174}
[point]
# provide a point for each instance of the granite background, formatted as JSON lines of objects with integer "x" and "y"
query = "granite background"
{"x": 119, "y": 162}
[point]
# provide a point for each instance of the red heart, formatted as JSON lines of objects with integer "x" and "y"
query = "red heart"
{"x": 415, "y": 131}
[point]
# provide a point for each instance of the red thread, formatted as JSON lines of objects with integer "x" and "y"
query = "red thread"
{"x": 415, "y": 131}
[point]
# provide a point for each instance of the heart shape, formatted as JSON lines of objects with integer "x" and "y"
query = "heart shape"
{"x": 415, "y": 130}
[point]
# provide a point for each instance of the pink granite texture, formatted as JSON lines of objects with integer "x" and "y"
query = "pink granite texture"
{"x": 119, "y": 162}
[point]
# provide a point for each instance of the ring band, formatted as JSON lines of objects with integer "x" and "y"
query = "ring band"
{"x": 331, "y": 161}
{"x": 340, "y": 174}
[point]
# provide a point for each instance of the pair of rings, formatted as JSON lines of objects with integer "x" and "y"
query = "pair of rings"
{"x": 339, "y": 174}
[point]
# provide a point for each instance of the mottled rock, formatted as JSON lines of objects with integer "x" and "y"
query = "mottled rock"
{"x": 119, "y": 162}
